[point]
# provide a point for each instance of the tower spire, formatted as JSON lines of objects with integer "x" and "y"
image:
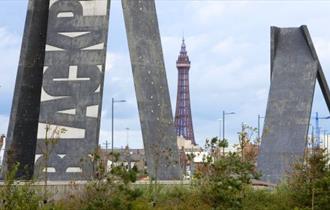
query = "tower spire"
{"x": 183, "y": 47}
{"x": 183, "y": 118}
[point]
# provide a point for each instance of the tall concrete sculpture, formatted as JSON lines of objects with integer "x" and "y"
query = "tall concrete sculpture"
{"x": 151, "y": 89}
{"x": 66, "y": 82}
{"x": 23, "y": 124}
{"x": 72, "y": 86}
{"x": 294, "y": 69}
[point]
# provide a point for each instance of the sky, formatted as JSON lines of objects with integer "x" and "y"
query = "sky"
{"x": 228, "y": 43}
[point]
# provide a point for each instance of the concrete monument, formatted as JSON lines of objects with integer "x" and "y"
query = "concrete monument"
{"x": 294, "y": 69}
{"x": 23, "y": 124}
{"x": 60, "y": 83}
{"x": 151, "y": 89}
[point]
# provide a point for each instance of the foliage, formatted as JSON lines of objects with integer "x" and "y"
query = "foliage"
{"x": 216, "y": 148}
{"x": 222, "y": 186}
{"x": 309, "y": 182}
{"x": 110, "y": 190}
{"x": 223, "y": 183}
{"x": 17, "y": 196}
{"x": 52, "y": 137}
{"x": 263, "y": 199}
{"x": 248, "y": 143}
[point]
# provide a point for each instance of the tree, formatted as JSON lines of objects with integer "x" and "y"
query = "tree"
{"x": 223, "y": 144}
{"x": 248, "y": 143}
{"x": 309, "y": 181}
{"x": 222, "y": 187}
{"x": 52, "y": 136}
{"x": 214, "y": 147}
{"x": 222, "y": 180}
{"x": 110, "y": 190}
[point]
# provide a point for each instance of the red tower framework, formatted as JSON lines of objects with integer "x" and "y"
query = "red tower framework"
{"x": 183, "y": 118}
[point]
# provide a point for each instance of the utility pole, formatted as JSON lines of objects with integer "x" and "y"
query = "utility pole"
{"x": 327, "y": 145}
{"x": 128, "y": 151}
{"x": 219, "y": 128}
{"x": 112, "y": 120}
{"x": 223, "y": 125}
{"x": 224, "y": 113}
{"x": 324, "y": 138}
{"x": 259, "y": 136}
{"x": 112, "y": 123}
{"x": 106, "y": 145}
{"x": 127, "y": 131}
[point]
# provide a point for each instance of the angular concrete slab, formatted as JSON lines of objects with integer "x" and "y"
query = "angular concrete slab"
{"x": 151, "y": 89}
{"x": 72, "y": 87}
{"x": 294, "y": 69}
{"x": 23, "y": 124}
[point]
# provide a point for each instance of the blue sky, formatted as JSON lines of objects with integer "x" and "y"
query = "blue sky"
{"x": 229, "y": 46}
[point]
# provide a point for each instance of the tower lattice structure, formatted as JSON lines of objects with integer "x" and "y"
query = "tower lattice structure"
{"x": 183, "y": 117}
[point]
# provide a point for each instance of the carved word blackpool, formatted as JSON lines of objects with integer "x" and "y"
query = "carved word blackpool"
{"x": 72, "y": 86}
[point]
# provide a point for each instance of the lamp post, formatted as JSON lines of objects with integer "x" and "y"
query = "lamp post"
{"x": 324, "y": 138}
{"x": 112, "y": 120}
{"x": 327, "y": 145}
{"x": 224, "y": 113}
{"x": 259, "y": 119}
{"x": 128, "y": 152}
{"x": 106, "y": 145}
{"x": 127, "y": 132}
{"x": 219, "y": 127}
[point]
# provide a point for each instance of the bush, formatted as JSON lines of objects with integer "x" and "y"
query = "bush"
{"x": 18, "y": 196}
{"x": 309, "y": 182}
{"x": 262, "y": 199}
{"x": 223, "y": 183}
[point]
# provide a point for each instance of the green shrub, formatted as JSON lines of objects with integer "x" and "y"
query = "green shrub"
{"x": 222, "y": 185}
{"x": 18, "y": 196}
{"x": 309, "y": 182}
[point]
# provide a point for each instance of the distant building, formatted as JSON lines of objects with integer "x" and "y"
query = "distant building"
{"x": 127, "y": 157}
{"x": 186, "y": 144}
{"x": 136, "y": 157}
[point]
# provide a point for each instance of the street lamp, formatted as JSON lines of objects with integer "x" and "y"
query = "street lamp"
{"x": 324, "y": 137}
{"x": 127, "y": 131}
{"x": 259, "y": 118}
{"x": 327, "y": 145}
{"x": 128, "y": 150}
{"x": 112, "y": 119}
{"x": 219, "y": 127}
{"x": 224, "y": 113}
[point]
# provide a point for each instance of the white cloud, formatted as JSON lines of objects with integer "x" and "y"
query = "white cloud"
{"x": 229, "y": 45}
{"x": 7, "y": 39}
{"x": 113, "y": 59}
{"x": 207, "y": 11}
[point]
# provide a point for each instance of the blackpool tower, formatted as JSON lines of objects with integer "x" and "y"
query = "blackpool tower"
{"x": 183, "y": 119}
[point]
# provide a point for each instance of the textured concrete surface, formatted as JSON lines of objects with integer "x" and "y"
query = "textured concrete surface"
{"x": 151, "y": 89}
{"x": 23, "y": 124}
{"x": 72, "y": 87}
{"x": 294, "y": 67}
